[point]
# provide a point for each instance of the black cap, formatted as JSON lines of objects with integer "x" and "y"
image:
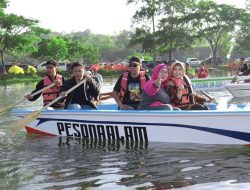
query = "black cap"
{"x": 135, "y": 60}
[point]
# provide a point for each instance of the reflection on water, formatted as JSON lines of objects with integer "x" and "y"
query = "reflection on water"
{"x": 33, "y": 162}
{"x": 110, "y": 145}
{"x": 61, "y": 163}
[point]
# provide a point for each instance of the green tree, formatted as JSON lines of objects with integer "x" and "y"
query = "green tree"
{"x": 242, "y": 38}
{"x": 147, "y": 13}
{"x": 144, "y": 37}
{"x": 57, "y": 48}
{"x": 174, "y": 30}
{"x": 3, "y": 5}
{"x": 17, "y": 34}
{"x": 216, "y": 23}
{"x": 90, "y": 54}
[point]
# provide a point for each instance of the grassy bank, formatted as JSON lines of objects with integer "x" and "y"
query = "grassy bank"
{"x": 12, "y": 78}
{"x": 20, "y": 78}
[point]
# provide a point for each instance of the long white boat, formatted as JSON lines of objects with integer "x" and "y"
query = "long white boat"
{"x": 214, "y": 82}
{"x": 205, "y": 127}
{"x": 238, "y": 89}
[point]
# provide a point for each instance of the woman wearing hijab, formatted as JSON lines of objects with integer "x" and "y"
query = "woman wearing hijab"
{"x": 154, "y": 94}
{"x": 181, "y": 91}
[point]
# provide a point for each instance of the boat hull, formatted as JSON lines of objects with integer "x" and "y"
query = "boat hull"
{"x": 214, "y": 82}
{"x": 238, "y": 89}
{"x": 205, "y": 127}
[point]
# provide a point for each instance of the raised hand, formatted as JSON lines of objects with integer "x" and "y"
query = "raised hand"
{"x": 28, "y": 96}
{"x": 157, "y": 82}
{"x": 58, "y": 82}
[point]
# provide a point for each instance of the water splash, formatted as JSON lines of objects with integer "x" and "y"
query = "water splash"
{"x": 223, "y": 106}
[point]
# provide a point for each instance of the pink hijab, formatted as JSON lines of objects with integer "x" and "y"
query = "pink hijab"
{"x": 148, "y": 88}
{"x": 156, "y": 71}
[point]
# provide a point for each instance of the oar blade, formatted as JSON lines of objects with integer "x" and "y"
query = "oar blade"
{"x": 4, "y": 109}
{"x": 19, "y": 124}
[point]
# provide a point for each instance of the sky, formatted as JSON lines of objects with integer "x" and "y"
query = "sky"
{"x": 100, "y": 16}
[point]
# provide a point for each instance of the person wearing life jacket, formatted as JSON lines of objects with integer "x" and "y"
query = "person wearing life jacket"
{"x": 154, "y": 94}
{"x": 128, "y": 88}
{"x": 53, "y": 92}
{"x": 181, "y": 91}
{"x": 202, "y": 72}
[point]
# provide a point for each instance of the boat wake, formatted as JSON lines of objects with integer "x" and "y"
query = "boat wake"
{"x": 223, "y": 106}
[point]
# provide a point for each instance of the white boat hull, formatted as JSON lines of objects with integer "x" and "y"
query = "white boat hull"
{"x": 205, "y": 127}
{"x": 214, "y": 82}
{"x": 238, "y": 89}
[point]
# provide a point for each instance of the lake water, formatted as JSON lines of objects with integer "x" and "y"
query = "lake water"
{"x": 53, "y": 163}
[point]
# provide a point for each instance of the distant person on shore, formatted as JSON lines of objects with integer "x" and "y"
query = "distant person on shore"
{"x": 202, "y": 72}
{"x": 84, "y": 96}
{"x": 128, "y": 88}
{"x": 181, "y": 91}
{"x": 51, "y": 77}
{"x": 154, "y": 94}
{"x": 190, "y": 72}
{"x": 239, "y": 67}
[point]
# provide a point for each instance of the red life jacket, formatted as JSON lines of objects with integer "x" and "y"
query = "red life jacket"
{"x": 51, "y": 93}
{"x": 187, "y": 93}
{"x": 124, "y": 82}
{"x": 202, "y": 73}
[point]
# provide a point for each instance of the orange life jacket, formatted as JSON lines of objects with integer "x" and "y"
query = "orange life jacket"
{"x": 51, "y": 93}
{"x": 187, "y": 93}
{"x": 124, "y": 82}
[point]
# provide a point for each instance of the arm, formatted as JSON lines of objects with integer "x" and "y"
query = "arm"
{"x": 174, "y": 95}
{"x": 93, "y": 88}
{"x": 117, "y": 99}
{"x": 116, "y": 91}
{"x": 151, "y": 88}
{"x": 39, "y": 86}
{"x": 199, "y": 99}
{"x": 207, "y": 72}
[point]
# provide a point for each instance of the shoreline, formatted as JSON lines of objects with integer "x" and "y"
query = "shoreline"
{"x": 7, "y": 79}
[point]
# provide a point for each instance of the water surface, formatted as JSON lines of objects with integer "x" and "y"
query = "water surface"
{"x": 31, "y": 162}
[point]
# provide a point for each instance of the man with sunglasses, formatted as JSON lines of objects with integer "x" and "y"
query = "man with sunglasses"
{"x": 128, "y": 88}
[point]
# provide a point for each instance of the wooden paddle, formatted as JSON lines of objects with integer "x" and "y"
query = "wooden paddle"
{"x": 19, "y": 124}
{"x": 35, "y": 93}
{"x": 106, "y": 95}
{"x": 235, "y": 78}
{"x": 208, "y": 96}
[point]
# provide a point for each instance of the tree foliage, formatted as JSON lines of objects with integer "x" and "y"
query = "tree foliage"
{"x": 171, "y": 32}
{"x": 216, "y": 23}
{"x": 180, "y": 23}
{"x": 18, "y": 34}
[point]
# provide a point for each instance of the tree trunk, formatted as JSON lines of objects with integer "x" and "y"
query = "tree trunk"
{"x": 214, "y": 55}
{"x": 3, "y": 70}
{"x": 170, "y": 53}
{"x": 154, "y": 49}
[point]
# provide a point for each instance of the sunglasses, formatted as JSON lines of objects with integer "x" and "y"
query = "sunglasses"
{"x": 133, "y": 65}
